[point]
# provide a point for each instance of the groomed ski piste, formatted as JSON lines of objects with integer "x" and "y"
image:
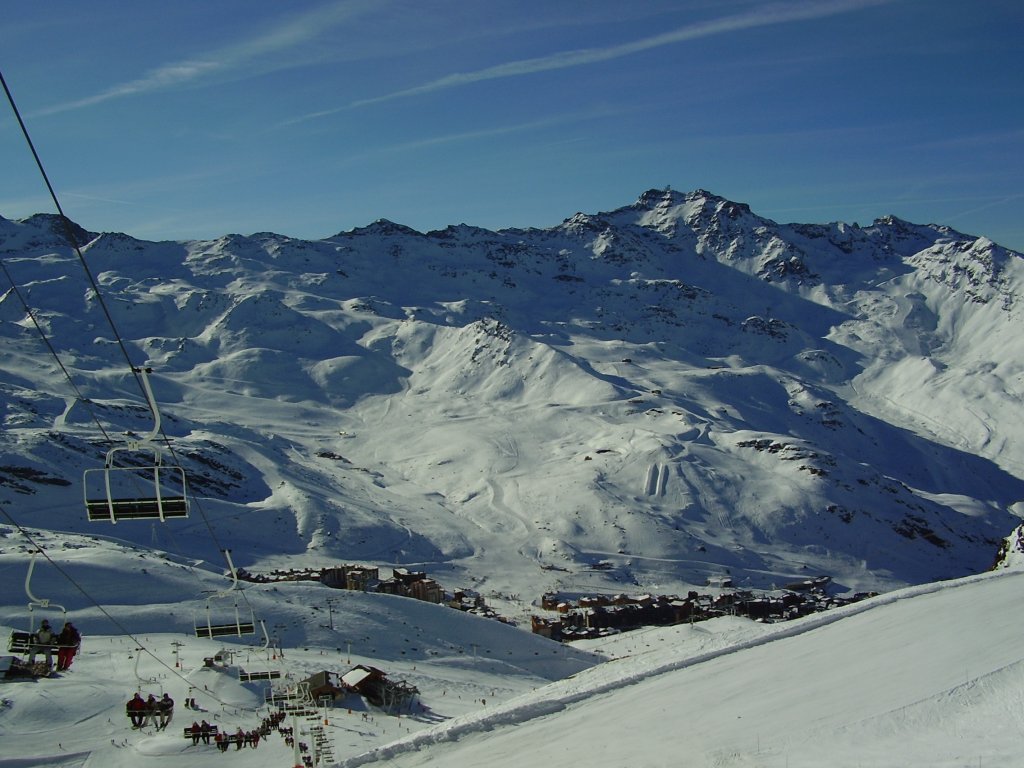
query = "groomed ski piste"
{"x": 930, "y": 675}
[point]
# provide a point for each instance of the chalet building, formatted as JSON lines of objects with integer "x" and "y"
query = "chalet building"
{"x": 325, "y": 687}
{"x": 720, "y": 582}
{"x": 374, "y": 686}
{"x": 466, "y": 600}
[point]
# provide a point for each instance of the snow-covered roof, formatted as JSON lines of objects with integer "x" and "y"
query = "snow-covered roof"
{"x": 355, "y": 676}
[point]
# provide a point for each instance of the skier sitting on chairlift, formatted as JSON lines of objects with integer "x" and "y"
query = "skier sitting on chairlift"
{"x": 68, "y": 641}
{"x": 43, "y": 640}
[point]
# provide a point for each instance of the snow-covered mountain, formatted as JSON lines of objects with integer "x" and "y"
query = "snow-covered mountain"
{"x": 671, "y": 391}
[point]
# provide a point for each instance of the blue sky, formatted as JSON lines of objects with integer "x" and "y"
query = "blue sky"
{"x": 199, "y": 118}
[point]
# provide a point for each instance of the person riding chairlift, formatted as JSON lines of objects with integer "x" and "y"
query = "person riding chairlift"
{"x": 165, "y": 710}
{"x": 137, "y": 710}
{"x": 68, "y": 642}
{"x": 42, "y": 640}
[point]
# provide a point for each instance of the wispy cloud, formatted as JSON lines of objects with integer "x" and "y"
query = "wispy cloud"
{"x": 890, "y": 204}
{"x": 1002, "y": 200}
{"x": 775, "y": 13}
{"x": 485, "y": 133}
{"x": 293, "y": 35}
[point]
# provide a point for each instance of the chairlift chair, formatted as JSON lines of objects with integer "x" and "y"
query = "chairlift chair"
{"x": 278, "y": 696}
{"x": 237, "y": 627}
{"x": 143, "y": 489}
{"x": 21, "y": 642}
{"x": 250, "y": 677}
{"x": 222, "y": 629}
{"x": 292, "y": 695}
{"x": 247, "y": 677}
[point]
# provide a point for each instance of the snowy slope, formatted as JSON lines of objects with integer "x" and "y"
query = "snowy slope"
{"x": 925, "y": 676}
{"x": 136, "y": 610}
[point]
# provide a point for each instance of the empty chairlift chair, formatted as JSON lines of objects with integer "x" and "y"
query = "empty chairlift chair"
{"x": 240, "y": 625}
{"x": 267, "y": 674}
{"x": 135, "y": 483}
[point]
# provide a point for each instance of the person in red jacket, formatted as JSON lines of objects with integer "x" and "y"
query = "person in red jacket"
{"x": 137, "y": 710}
{"x": 68, "y": 642}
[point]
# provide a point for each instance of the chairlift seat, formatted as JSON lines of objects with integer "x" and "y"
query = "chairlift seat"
{"x": 22, "y": 642}
{"x": 301, "y": 710}
{"x": 112, "y": 493}
{"x": 222, "y": 630}
{"x": 211, "y": 730}
{"x": 104, "y": 509}
{"x": 247, "y": 677}
{"x": 278, "y": 697}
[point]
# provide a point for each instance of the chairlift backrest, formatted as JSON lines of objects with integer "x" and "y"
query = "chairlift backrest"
{"x": 33, "y": 601}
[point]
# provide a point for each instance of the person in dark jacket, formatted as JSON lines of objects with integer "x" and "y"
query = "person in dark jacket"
{"x": 165, "y": 710}
{"x": 195, "y": 732}
{"x": 68, "y": 641}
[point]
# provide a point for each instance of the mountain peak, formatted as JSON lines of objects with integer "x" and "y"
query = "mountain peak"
{"x": 382, "y": 227}
{"x": 667, "y": 197}
{"x": 57, "y": 229}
